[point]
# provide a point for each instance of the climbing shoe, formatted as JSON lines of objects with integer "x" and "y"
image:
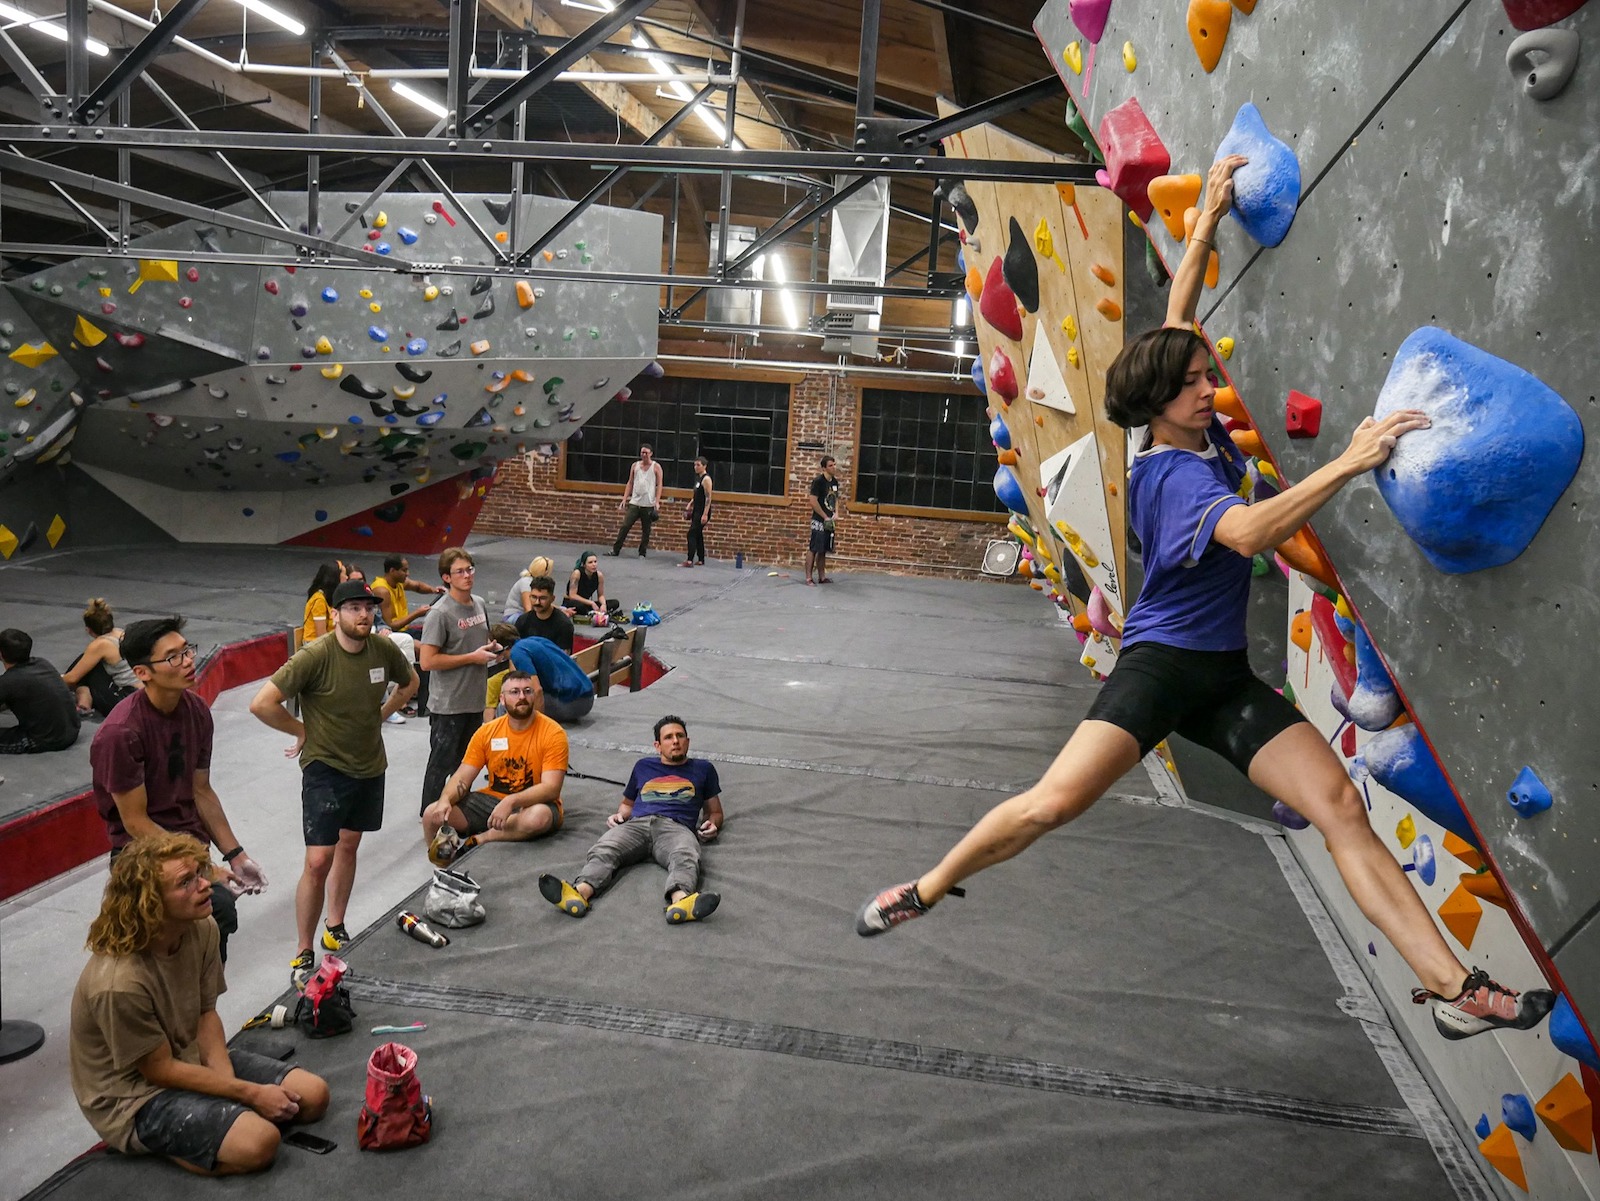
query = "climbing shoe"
{"x": 1484, "y": 1005}
{"x": 300, "y": 969}
{"x": 893, "y": 906}
{"x": 335, "y": 938}
{"x": 562, "y": 895}
{"x": 695, "y": 907}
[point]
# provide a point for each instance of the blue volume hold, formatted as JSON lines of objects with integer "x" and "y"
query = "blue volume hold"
{"x": 1516, "y": 1111}
{"x": 1424, "y": 860}
{"x": 977, "y": 376}
{"x": 1266, "y": 190}
{"x": 999, "y": 434}
{"x": 1567, "y": 1036}
{"x": 1402, "y": 762}
{"x": 1483, "y": 1126}
{"x": 1474, "y": 488}
{"x": 1374, "y": 704}
{"x": 1528, "y": 795}
{"x": 1009, "y": 489}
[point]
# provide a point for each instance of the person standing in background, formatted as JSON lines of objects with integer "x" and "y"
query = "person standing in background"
{"x": 824, "y": 497}
{"x": 456, "y": 651}
{"x": 698, "y": 514}
{"x": 641, "y": 499}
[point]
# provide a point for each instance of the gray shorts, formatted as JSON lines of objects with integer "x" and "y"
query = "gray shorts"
{"x": 479, "y": 807}
{"x": 191, "y": 1126}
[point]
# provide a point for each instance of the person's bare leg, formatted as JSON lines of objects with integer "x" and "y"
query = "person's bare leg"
{"x": 1299, "y": 769}
{"x": 313, "y": 1093}
{"x": 532, "y": 822}
{"x": 1095, "y": 757}
{"x": 343, "y": 876}
{"x": 811, "y": 562}
{"x": 309, "y": 893}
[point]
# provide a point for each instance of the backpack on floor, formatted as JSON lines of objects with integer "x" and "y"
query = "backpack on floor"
{"x": 395, "y": 1114}
{"x": 452, "y": 899}
{"x": 644, "y": 614}
{"x": 324, "y": 1008}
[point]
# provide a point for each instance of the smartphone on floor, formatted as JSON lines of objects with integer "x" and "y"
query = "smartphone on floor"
{"x": 307, "y": 1141}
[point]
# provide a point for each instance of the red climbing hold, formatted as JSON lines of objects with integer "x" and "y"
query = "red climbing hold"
{"x": 1002, "y": 375}
{"x": 1536, "y": 14}
{"x": 1302, "y": 416}
{"x": 271, "y": 286}
{"x": 1134, "y": 155}
{"x": 998, "y": 304}
{"x": 438, "y": 207}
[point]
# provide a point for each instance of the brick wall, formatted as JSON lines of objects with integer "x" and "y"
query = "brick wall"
{"x": 529, "y": 500}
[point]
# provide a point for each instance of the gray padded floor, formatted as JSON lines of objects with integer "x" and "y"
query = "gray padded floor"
{"x": 1136, "y": 1005}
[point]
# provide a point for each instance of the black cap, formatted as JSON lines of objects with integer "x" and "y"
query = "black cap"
{"x": 352, "y": 590}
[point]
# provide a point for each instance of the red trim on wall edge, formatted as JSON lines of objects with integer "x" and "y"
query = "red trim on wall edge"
{"x": 56, "y": 837}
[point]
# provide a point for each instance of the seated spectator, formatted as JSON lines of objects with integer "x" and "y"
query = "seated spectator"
{"x": 100, "y": 677}
{"x": 543, "y": 619}
{"x": 567, "y": 691}
{"x": 517, "y": 602}
{"x": 319, "y": 599}
{"x": 659, "y": 818}
{"x": 503, "y": 634}
{"x": 47, "y": 716}
{"x": 586, "y": 588}
{"x": 150, "y": 1064}
{"x": 395, "y": 612}
{"x": 526, "y": 754}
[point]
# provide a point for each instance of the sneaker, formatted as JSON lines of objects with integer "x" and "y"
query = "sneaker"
{"x": 889, "y": 908}
{"x": 335, "y": 938}
{"x": 394, "y": 719}
{"x": 562, "y": 895}
{"x": 446, "y": 845}
{"x": 695, "y": 907}
{"x": 686, "y": 564}
{"x": 1484, "y": 1005}
{"x": 300, "y": 969}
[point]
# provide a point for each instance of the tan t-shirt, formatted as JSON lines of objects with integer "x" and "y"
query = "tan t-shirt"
{"x": 125, "y": 1007}
{"x": 340, "y": 696}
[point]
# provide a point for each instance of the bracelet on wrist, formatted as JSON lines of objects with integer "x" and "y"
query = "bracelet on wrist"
{"x": 230, "y": 856}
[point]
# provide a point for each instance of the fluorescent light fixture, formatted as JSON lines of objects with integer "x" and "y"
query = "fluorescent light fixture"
{"x": 281, "y": 19}
{"x": 961, "y": 311}
{"x": 961, "y": 349}
{"x": 791, "y": 312}
{"x": 642, "y": 42}
{"x": 44, "y": 26}
{"x": 426, "y": 103}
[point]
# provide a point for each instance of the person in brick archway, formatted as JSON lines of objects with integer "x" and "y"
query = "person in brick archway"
{"x": 825, "y": 507}
{"x": 1184, "y": 665}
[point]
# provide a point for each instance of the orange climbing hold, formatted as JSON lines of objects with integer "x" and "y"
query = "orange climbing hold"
{"x": 1463, "y": 850}
{"x": 1104, "y": 274}
{"x": 1300, "y": 631}
{"x": 1008, "y": 457}
{"x": 1250, "y": 442}
{"x": 1485, "y": 887}
{"x": 1226, "y": 402}
{"x": 974, "y": 283}
{"x": 1245, "y": 6}
{"x": 1500, "y": 1149}
{"x": 1172, "y": 196}
{"x": 1567, "y": 1114}
{"x": 1461, "y": 914}
{"x": 524, "y": 294}
{"x": 1109, "y": 309}
{"x": 1068, "y": 193}
{"x": 1208, "y": 30}
{"x": 1302, "y": 554}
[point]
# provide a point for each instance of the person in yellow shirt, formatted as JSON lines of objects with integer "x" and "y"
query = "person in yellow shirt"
{"x": 329, "y": 576}
{"x": 391, "y": 587}
{"x": 525, "y": 753}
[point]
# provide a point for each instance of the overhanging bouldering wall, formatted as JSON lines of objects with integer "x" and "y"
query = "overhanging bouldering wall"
{"x": 1441, "y": 255}
{"x": 232, "y": 397}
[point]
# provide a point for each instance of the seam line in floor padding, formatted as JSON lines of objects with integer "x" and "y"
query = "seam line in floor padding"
{"x": 948, "y": 1062}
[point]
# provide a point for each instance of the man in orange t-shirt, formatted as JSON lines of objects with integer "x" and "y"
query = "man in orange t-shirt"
{"x": 526, "y": 755}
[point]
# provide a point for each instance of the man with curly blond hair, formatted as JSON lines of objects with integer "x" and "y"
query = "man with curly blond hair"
{"x": 151, "y": 1067}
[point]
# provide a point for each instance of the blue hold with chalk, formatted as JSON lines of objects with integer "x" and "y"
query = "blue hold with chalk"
{"x": 1266, "y": 191}
{"x": 1528, "y": 795}
{"x": 1402, "y": 762}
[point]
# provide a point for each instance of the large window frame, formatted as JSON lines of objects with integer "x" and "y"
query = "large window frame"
{"x": 958, "y": 391}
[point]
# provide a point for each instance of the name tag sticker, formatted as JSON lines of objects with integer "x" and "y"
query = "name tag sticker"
{"x": 499, "y": 744}
{"x": 375, "y": 675}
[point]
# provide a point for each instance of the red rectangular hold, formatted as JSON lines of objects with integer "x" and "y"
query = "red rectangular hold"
{"x": 1302, "y": 415}
{"x": 1134, "y": 154}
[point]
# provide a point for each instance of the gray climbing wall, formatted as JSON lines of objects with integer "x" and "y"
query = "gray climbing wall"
{"x": 1435, "y": 192}
{"x": 311, "y": 393}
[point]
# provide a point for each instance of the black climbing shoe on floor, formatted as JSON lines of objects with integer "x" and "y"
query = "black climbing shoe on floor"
{"x": 1484, "y": 1005}
{"x": 695, "y": 907}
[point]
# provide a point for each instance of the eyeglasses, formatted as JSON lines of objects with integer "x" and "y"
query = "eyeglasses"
{"x": 462, "y": 570}
{"x": 191, "y": 881}
{"x": 177, "y": 657}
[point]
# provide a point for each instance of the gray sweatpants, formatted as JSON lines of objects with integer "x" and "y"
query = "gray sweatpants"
{"x": 671, "y": 844}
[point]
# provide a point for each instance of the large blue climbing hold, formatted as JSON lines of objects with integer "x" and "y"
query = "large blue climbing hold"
{"x": 1403, "y": 763}
{"x": 1266, "y": 191}
{"x": 1474, "y": 488}
{"x": 1516, "y": 1111}
{"x": 1567, "y": 1034}
{"x": 999, "y": 434}
{"x": 1374, "y": 704}
{"x": 977, "y": 376}
{"x": 1528, "y": 795}
{"x": 1009, "y": 489}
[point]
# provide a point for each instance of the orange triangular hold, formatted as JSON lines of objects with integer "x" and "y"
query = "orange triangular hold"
{"x": 1484, "y": 886}
{"x": 1226, "y": 401}
{"x": 1250, "y": 442}
{"x": 1500, "y": 1149}
{"x": 1463, "y": 850}
{"x": 1301, "y": 553}
{"x": 1208, "y": 30}
{"x": 1172, "y": 196}
{"x": 1567, "y": 1115}
{"x": 1460, "y": 914}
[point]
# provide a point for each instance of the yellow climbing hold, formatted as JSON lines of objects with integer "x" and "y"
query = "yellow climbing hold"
{"x": 53, "y": 534}
{"x": 1045, "y": 244}
{"x": 161, "y": 271}
{"x": 1342, "y": 608}
{"x": 327, "y": 431}
{"x": 1069, "y": 326}
{"x": 1078, "y": 545}
{"x": 1073, "y": 57}
{"x": 375, "y": 307}
{"x": 1073, "y": 357}
{"x": 380, "y": 220}
{"x": 1129, "y": 59}
{"x": 324, "y": 346}
{"x": 365, "y": 293}
{"x": 430, "y": 293}
{"x": 1225, "y": 347}
{"x": 405, "y": 393}
{"x": 333, "y": 371}
{"x": 26, "y": 398}
{"x": 1406, "y": 831}
{"x": 8, "y": 542}
{"x": 30, "y": 355}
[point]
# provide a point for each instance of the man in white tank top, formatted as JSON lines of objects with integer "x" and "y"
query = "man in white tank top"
{"x": 640, "y": 501}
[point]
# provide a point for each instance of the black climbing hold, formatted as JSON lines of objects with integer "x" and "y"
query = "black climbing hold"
{"x": 500, "y": 210}
{"x": 353, "y": 385}
{"x": 415, "y": 374}
{"x": 391, "y": 512}
{"x": 1072, "y": 578}
{"x": 480, "y": 418}
{"x": 1021, "y": 269}
{"x": 481, "y": 285}
{"x": 397, "y": 489}
{"x": 450, "y": 351}
{"x": 405, "y": 410}
{"x": 1153, "y": 267}
{"x": 468, "y": 450}
{"x": 29, "y": 537}
{"x": 955, "y": 195}
{"x": 486, "y": 309}
{"x": 453, "y": 321}
{"x": 378, "y": 410}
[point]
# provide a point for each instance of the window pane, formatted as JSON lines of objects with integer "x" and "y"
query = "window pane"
{"x": 926, "y": 450}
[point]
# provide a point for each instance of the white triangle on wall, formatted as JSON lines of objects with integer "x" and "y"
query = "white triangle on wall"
{"x": 1046, "y": 384}
{"x": 1075, "y": 506}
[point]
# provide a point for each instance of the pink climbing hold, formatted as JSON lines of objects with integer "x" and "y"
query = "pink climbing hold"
{"x": 1090, "y": 17}
{"x": 271, "y": 286}
{"x": 1536, "y": 14}
{"x": 1002, "y": 375}
{"x": 998, "y": 304}
{"x": 130, "y": 341}
{"x": 1134, "y": 155}
{"x": 1100, "y": 617}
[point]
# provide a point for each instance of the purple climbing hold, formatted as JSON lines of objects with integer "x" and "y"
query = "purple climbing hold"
{"x": 1402, "y": 762}
{"x": 308, "y": 352}
{"x": 1567, "y": 1034}
{"x": 297, "y": 309}
{"x": 654, "y": 370}
{"x": 1474, "y": 488}
{"x": 248, "y": 512}
{"x": 1090, "y": 17}
{"x": 1336, "y": 698}
{"x": 263, "y": 352}
{"x": 1528, "y": 795}
{"x": 1266, "y": 190}
{"x": 1375, "y": 703}
{"x": 289, "y": 456}
{"x": 1287, "y": 817}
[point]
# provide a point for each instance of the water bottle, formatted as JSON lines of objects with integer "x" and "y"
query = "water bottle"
{"x": 738, "y": 560}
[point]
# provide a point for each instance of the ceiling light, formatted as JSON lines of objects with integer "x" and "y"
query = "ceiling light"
{"x": 961, "y": 311}
{"x": 266, "y": 11}
{"x": 641, "y": 41}
{"x": 790, "y": 312}
{"x": 44, "y": 26}
{"x": 421, "y": 101}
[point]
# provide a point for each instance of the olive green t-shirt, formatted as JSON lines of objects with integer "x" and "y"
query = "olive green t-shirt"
{"x": 340, "y": 697}
{"x": 125, "y": 1007}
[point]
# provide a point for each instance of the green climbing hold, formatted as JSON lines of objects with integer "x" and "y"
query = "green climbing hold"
{"x": 1260, "y": 566}
{"x": 469, "y": 450}
{"x": 1288, "y": 692}
{"x": 551, "y": 384}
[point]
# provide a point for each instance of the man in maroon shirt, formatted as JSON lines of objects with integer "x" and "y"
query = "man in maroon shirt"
{"x": 151, "y": 760}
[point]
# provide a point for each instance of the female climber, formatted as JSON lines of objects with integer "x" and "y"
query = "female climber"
{"x": 586, "y": 588}
{"x": 1183, "y": 665}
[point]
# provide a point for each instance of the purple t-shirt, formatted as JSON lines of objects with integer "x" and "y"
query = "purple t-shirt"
{"x": 1196, "y": 591}
{"x": 138, "y": 744}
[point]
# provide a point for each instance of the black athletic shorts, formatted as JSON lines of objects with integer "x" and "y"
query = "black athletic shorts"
{"x": 1209, "y": 697}
{"x": 821, "y": 537}
{"x": 191, "y": 1126}
{"x": 331, "y": 801}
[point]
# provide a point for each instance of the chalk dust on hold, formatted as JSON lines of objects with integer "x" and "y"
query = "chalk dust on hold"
{"x": 1421, "y": 382}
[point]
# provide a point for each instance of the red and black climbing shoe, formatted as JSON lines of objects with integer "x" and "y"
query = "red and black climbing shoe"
{"x": 1484, "y": 1005}
{"x": 893, "y": 906}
